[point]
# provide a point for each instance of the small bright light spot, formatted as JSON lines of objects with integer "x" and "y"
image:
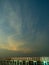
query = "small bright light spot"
{"x": 35, "y": 61}
{"x": 44, "y": 62}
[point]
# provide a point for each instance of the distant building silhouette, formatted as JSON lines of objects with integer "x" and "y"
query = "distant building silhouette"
{"x": 25, "y": 61}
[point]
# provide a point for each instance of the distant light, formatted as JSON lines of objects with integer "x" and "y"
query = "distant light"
{"x": 34, "y": 61}
{"x": 44, "y": 61}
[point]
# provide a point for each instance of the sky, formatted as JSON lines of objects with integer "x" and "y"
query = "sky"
{"x": 24, "y": 28}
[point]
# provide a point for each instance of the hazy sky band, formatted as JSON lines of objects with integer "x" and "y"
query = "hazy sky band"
{"x": 24, "y": 27}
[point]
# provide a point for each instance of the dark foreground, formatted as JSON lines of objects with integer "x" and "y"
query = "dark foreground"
{"x": 25, "y": 61}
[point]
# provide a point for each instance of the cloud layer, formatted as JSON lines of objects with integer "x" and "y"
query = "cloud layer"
{"x": 23, "y": 29}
